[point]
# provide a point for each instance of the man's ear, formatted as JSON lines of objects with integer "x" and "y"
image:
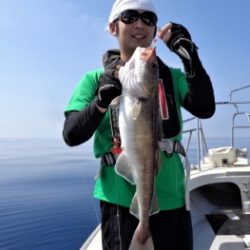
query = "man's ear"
{"x": 113, "y": 29}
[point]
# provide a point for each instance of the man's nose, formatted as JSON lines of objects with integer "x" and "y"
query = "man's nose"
{"x": 139, "y": 23}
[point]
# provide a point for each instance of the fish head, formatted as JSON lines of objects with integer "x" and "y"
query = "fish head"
{"x": 146, "y": 68}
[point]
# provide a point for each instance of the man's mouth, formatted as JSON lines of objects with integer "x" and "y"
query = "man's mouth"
{"x": 138, "y": 36}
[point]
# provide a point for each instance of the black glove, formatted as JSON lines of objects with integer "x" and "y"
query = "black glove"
{"x": 181, "y": 43}
{"x": 108, "y": 90}
{"x": 109, "y": 87}
{"x": 110, "y": 61}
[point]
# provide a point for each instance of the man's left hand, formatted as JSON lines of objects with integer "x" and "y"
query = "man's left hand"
{"x": 178, "y": 39}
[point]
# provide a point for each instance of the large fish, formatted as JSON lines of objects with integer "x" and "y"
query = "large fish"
{"x": 139, "y": 124}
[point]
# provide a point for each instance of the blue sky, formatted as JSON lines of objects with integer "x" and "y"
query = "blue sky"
{"x": 46, "y": 46}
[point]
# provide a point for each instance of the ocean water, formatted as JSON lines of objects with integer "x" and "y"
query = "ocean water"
{"x": 46, "y": 192}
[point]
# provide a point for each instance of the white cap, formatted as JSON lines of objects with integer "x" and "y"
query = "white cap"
{"x": 121, "y": 5}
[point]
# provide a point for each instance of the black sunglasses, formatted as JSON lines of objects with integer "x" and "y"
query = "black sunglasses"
{"x": 131, "y": 16}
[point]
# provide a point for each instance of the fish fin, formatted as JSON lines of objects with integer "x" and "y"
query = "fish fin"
{"x": 154, "y": 208}
{"x": 146, "y": 245}
{"x": 115, "y": 101}
{"x": 134, "y": 207}
{"x": 123, "y": 168}
{"x": 136, "y": 110}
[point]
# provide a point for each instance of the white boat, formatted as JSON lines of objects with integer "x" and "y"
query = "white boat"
{"x": 218, "y": 190}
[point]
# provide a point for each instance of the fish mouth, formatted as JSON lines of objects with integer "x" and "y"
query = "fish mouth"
{"x": 149, "y": 55}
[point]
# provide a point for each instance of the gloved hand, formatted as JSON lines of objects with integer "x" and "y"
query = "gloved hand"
{"x": 179, "y": 41}
{"x": 108, "y": 90}
{"x": 109, "y": 86}
{"x": 112, "y": 62}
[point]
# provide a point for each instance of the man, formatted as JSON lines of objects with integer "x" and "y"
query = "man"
{"x": 134, "y": 23}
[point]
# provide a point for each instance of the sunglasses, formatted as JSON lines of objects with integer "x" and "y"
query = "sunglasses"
{"x": 132, "y": 16}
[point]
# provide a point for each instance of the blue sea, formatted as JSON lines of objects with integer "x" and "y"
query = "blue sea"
{"x": 46, "y": 193}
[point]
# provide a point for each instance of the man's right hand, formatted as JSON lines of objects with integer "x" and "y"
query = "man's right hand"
{"x": 107, "y": 91}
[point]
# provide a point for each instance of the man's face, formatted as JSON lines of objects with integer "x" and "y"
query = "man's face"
{"x": 132, "y": 35}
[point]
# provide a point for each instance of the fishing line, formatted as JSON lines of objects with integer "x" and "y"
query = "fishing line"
{"x": 59, "y": 114}
{"x": 43, "y": 78}
{"x": 187, "y": 166}
{"x": 117, "y": 214}
{"x": 89, "y": 194}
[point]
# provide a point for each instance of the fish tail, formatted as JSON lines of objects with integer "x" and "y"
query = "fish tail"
{"x": 142, "y": 239}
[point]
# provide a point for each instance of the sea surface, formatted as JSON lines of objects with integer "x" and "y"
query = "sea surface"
{"x": 46, "y": 192}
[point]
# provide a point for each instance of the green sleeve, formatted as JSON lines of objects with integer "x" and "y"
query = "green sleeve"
{"x": 85, "y": 91}
{"x": 84, "y": 94}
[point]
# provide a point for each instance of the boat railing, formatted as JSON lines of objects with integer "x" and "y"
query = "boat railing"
{"x": 238, "y": 113}
{"x": 201, "y": 143}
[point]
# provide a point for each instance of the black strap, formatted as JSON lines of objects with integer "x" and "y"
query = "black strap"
{"x": 170, "y": 147}
{"x": 114, "y": 118}
{"x": 108, "y": 159}
{"x": 166, "y": 145}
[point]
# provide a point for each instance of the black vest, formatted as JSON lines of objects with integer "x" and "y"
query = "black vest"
{"x": 171, "y": 126}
